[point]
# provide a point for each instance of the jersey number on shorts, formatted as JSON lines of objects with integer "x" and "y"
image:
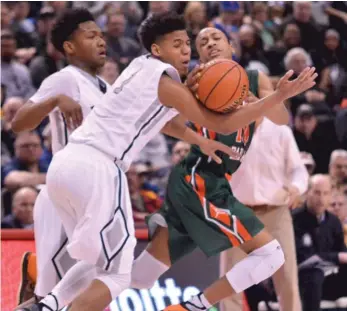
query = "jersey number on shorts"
{"x": 243, "y": 135}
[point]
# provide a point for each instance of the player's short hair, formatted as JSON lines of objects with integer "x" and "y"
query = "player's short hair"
{"x": 67, "y": 24}
{"x": 158, "y": 25}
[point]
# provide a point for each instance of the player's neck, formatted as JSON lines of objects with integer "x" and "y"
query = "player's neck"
{"x": 84, "y": 67}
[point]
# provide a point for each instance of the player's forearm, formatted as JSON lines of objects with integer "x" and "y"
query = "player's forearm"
{"x": 177, "y": 128}
{"x": 31, "y": 114}
{"x": 17, "y": 179}
{"x": 248, "y": 114}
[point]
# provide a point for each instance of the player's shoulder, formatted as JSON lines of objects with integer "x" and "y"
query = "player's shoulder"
{"x": 61, "y": 76}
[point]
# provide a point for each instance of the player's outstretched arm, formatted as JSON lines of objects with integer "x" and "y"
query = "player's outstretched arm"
{"x": 178, "y": 129}
{"x": 174, "y": 94}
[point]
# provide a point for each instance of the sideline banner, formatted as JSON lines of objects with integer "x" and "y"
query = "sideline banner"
{"x": 189, "y": 276}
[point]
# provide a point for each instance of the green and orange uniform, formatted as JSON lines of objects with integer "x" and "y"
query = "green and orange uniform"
{"x": 200, "y": 209}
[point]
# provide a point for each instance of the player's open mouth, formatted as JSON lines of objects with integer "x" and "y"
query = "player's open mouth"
{"x": 185, "y": 63}
{"x": 102, "y": 54}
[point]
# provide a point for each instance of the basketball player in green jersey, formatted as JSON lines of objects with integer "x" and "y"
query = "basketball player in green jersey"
{"x": 200, "y": 209}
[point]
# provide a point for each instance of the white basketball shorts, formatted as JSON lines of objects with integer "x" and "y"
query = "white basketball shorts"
{"x": 53, "y": 260}
{"x": 91, "y": 195}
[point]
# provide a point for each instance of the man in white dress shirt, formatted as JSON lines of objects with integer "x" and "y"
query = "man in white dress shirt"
{"x": 270, "y": 180}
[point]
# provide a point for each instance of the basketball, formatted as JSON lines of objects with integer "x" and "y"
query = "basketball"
{"x": 223, "y": 85}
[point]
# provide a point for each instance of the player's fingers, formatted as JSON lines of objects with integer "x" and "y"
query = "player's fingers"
{"x": 287, "y": 76}
{"x": 73, "y": 118}
{"x": 79, "y": 116}
{"x": 303, "y": 75}
{"x": 227, "y": 150}
{"x": 68, "y": 121}
{"x": 195, "y": 87}
{"x": 308, "y": 83}
{"x": 310, "y": 74}
{"x": 216, "y": 158}
{"x": 195, "y": 70}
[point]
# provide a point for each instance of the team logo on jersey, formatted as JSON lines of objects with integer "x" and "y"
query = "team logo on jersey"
{"x": 238, "y": 153}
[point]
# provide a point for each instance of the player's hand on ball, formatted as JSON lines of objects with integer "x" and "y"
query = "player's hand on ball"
{"x": 251, "y": 98}
{"x": 193, "y": 77}
{"x": 303, "y": 82}
{"x": 72, "y": 111}
{"x": 210, "y": 147}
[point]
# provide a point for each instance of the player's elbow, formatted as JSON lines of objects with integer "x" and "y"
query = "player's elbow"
{"x": 16, "y": 126}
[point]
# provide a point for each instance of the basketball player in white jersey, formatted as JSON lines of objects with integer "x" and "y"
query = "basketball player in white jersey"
{"x": 79, "y": 82}
{"x": 86, "y": 180}
{"x": 85, "y": 53}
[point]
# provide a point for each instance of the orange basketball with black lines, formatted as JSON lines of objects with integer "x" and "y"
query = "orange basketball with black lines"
{"x": 223, "y": 85}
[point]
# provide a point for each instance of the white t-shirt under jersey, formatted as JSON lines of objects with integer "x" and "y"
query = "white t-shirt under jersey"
{"x": 66, "y": 82}
{"x": 130, "y": 113}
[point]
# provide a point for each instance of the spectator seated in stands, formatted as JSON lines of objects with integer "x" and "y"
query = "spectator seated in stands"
{"x": 332, "y": 52}
{"x": 297, "y": 59}
{"x": 302, "y": 17}
{"x": 48, "y": 62}
{"x": 22, "y": 210}
{"x": 320, "y": 247}
{"x": 338, "y": 207}
{"x": 143, "y": 201}
{"x": 179, "y": 152}
{"x": 110, "y": 71}
{"x": 119, "y": 47}
{"x": 338, "y": 167}
{"x": 44, "y": 25}
{"x": 196, "y": 19}
{"x": 10, "y": 108}
{"x": 308, "y": 161}
{"x": 291, "y": 39}
{"x": 14, "y": 76}
{"x": 22, "y": 26}
{"x": 158, "y": 7}
{"x": 6, "y": 16}
{"x": 47, "y": 154}
{"x": 26, "y": 168}
{"x": 251, "y": 46}
{"x": 317, "y": 138}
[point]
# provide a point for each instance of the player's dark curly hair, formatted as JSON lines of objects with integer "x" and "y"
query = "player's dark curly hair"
{"x": 66, "y": 24}
{"x": 158, "y": 25}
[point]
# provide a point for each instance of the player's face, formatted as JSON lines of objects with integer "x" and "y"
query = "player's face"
{"x": 211, "y": 44}
{"x": 174, "y": 48}
{"x": 89, "y": 45}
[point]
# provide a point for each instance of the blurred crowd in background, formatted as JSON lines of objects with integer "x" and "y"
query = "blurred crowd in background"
{"x": 271, "y": 37}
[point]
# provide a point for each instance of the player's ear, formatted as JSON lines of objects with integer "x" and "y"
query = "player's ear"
{"x": 155, "y": 50}
{"x": 231, "y": 47}
{"x": 68, "y": 47}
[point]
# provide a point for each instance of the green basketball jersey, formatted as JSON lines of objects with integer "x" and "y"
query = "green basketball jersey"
{"x": 238, "y": 141}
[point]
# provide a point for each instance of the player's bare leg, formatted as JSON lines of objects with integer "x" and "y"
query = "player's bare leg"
{"x": 95, "y": 298}
{"x": 222, "y": 288}
{"x": 264, "y": 258}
